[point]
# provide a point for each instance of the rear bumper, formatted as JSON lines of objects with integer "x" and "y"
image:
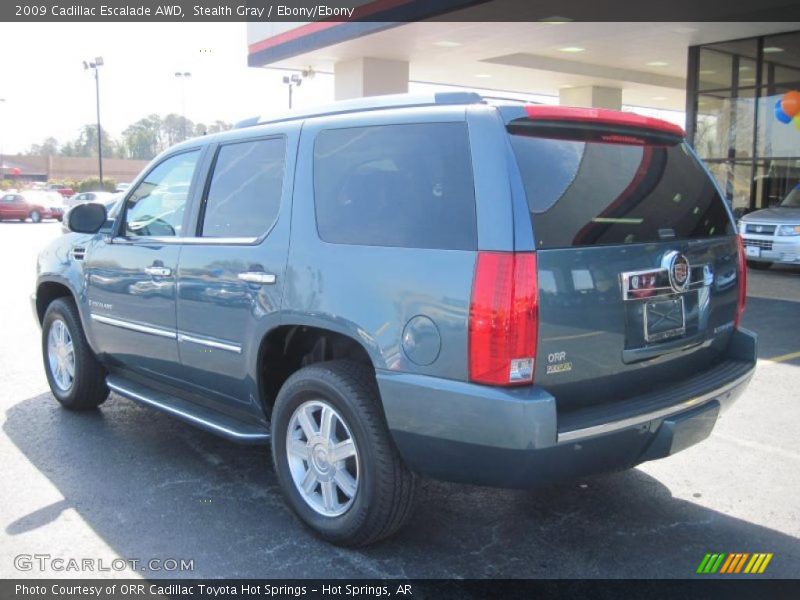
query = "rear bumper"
{"x": 512, "y": 437}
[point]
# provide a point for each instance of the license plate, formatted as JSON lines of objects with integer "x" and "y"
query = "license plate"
{"x": 664, "y": 319}
{"x": 752, "y": 251}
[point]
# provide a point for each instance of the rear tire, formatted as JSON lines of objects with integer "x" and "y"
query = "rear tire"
{"x": 76, "y": 378}
{"x": 383, "y": 486}
{"x": 35, "y": 216}
{"x": 758, "y": 265}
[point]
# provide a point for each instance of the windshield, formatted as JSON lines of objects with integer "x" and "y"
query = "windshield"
{"x": 587, "y": 190}
{"x": 792, "y": 200}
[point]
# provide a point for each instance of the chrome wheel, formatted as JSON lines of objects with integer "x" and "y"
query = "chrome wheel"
{"x": 35, "y": 216}
{"x": 61, "y": 355}
{"x": 323, "y": 458}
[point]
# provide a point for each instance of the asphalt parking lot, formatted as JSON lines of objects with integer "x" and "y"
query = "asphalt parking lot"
{"x": 130, "y": 482}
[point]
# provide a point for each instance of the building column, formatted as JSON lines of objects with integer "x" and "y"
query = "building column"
{"x": 366, "y": 76}
{"x": 591, "y": 96}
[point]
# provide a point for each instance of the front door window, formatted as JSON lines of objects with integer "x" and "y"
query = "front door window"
{"x": 156, "y": 207}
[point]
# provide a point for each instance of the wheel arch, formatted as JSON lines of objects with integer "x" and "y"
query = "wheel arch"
{"x": 289, "y": 347}
{"x": 49, "y": 290}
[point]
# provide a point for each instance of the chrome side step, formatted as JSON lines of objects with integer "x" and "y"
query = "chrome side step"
{"x": 212, "y": 421}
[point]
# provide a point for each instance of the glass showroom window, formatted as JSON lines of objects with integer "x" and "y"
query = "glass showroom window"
{"x": 744, "y": 114}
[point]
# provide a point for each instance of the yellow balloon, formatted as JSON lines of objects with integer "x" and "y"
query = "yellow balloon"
{"x": 796, "y": 121}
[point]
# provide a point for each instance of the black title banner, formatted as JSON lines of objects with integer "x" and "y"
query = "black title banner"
{"x": 364, "y": 589}
{"x": 396, "y": 10}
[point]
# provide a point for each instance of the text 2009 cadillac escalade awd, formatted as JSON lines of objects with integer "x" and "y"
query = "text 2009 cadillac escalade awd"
{"x": 503, "y": 295}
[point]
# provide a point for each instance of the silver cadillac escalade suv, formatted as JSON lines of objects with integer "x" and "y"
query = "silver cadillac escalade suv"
{"x": 403, "y": 286}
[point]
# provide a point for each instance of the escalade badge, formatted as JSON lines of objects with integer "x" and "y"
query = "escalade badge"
{"x": 678, "y": 270}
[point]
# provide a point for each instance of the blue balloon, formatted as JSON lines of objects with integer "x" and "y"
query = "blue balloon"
{"x": 780, "y": 115}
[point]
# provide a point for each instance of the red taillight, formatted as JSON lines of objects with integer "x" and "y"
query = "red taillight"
{"x": 503, "y": 319}
{"x": 741, "y": 270}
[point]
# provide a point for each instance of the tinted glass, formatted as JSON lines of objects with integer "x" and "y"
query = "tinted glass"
{"x": 582, "y": 193}
{"x": 157, "y": 205}
{"x": 792, "y": 199}
{"x": 396, "y": 185}
{"x": 245, "y": 192}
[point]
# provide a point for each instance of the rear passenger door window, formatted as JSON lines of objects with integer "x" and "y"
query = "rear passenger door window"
{"x": 244, "y": 194}
{"x": 396, "y": 185}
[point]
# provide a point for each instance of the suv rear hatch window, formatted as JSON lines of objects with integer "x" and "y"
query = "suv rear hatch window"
{"x": 602, "y": 187}
{"x": 613, "y": 208}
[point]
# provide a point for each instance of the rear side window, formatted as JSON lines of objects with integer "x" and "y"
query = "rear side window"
{"x": 245, "y": 193}
{"x": 583, "y": 192}
{"x": 396, "y": 185}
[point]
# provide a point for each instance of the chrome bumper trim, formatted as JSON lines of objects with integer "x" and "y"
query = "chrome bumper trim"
{"x": 612, "y": 426}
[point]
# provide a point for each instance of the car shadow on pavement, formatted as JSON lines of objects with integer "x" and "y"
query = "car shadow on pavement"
{"x": 153, "y": 487}
{"x": 769, "y": 317}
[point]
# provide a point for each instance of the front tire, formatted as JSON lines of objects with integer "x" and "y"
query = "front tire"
{"x": 76, "y": 378}
{"x": 334, "y": 457}
{"x": 35, "y": 216}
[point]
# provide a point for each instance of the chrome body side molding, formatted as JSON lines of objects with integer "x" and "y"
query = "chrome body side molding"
{"x": 134, "y": 326}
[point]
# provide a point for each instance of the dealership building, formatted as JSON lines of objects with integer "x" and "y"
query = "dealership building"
{"x": 727, "y": 77}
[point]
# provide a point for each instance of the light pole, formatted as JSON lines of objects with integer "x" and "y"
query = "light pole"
{"x": 182, "y": 76}
{"x": 292, "y": 81}
{"x": 94, "y": 65}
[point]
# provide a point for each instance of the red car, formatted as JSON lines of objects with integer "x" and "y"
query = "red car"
{"x": 65, "y": 191}
{"x": 31, "y": 205}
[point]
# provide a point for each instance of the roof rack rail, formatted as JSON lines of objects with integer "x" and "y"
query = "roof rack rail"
{"x": 370, "y": 103}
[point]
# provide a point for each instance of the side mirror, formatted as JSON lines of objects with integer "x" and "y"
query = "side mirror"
{"x": 87, "y": 218}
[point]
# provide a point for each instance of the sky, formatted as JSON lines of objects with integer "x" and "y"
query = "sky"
{"x": 48, "y": 93}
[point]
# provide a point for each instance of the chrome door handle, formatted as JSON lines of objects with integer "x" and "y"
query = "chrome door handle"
{"x": 258, "y": 277}
{"x": 158, "y": 271}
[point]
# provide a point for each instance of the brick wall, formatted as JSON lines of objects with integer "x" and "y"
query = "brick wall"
{"x": 65, "y": 167}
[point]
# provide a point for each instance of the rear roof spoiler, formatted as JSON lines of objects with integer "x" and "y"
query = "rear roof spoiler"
{"x": 596, "y": 116}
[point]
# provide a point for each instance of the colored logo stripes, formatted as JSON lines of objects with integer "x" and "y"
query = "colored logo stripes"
{"x": 737, "y": 562}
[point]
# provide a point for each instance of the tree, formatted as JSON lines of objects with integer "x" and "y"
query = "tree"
{"x": 142, "y": 140}
{"x": 49, "y": 147}
{"x": 218, "y": 126}
{"x": 68, "y": 149}
{"x": 86, "y": 144}
{"x": 176, "y": 128}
